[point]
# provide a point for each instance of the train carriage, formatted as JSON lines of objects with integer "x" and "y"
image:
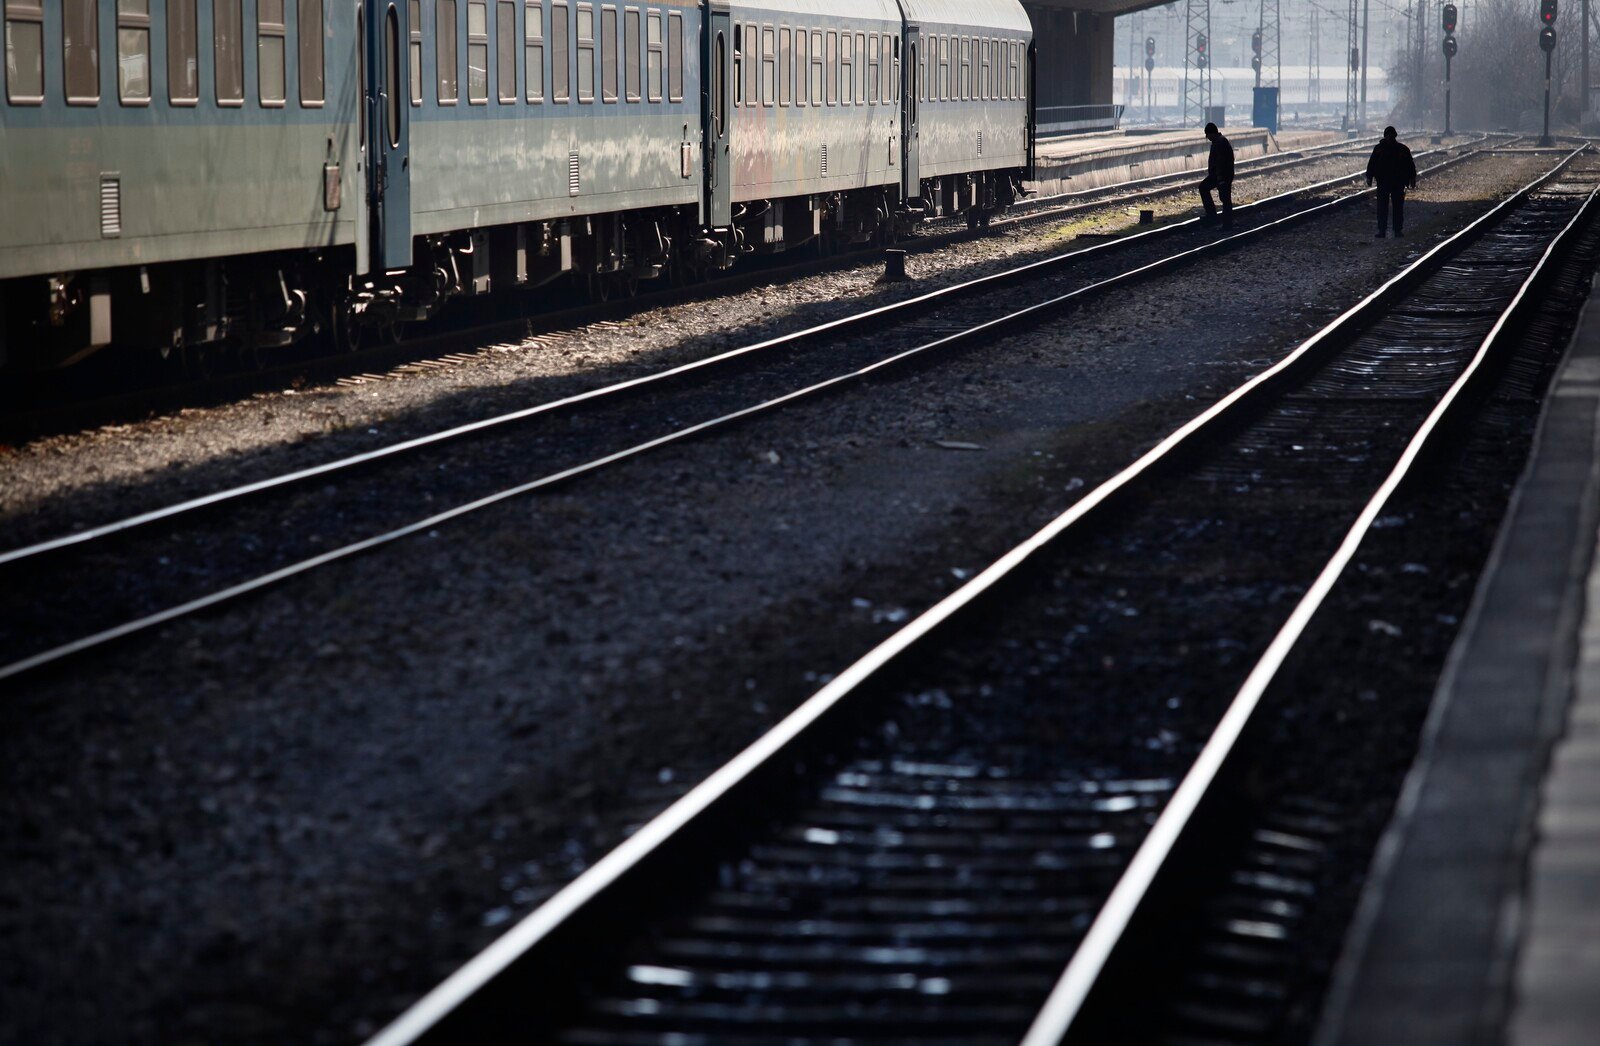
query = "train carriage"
{"x": 188, "y": 174}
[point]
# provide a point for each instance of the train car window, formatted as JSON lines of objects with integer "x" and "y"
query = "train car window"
{"x": 801, "y": 65}
{"x": 560, "y": 54}
{"x": 533, "y": 51}
{"x": 655, "y": 58}
{"x": 675, "y": 57}
{"x": 24, "y": 32}
{"x": 752, "y": 67}
{"x": 445, "y": 52}
{"x": 361, "y": 77}
{"x": 477, "y": 52}
{"x": 608, "y": 54}
{"x": 227, "y": 39}
{"x": 816, "y": 67}
{"x": 768, "y": 66}
{"x": 873, "y": 70}
{"x": 833, "y": 67}
{"x": 391, "y": 76}
{"x": 271, "y": 80}
{"x": 719, "y": 87}
{"x": 310, "y": 33}
{"x": 847, "y": 68}
{"x": 585, "y": 53}
{"x": 414, "y": 48}
{"x": 785, "y": 68}
{"x": 863, "y": 62}
{"x": 894, "y": 80}
{"x": 630, "y": 53}
{"x": 133, "y": 50}
{"x": 183, "y": 53}
{"x": 886, "y": 44}
{"x": 505, "y": 51}
{"x": 80, "y": 45}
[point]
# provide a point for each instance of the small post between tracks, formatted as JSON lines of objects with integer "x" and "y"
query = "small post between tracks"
{"x": 894, "y": 264}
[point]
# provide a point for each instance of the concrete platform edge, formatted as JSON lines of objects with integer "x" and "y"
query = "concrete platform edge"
{"x": 1429, "y": 957}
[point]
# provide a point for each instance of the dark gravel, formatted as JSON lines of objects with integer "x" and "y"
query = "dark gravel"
{"x": 284, "y": 821}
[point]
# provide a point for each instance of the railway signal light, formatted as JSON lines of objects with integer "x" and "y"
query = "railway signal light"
{"x": 1200, "y": 50}
{"x": 1149, "y": 47}
{"x": 1547, "y": 15}
{"x": 1450, "y": 46}
{"x": 1355, "y": 58}
{"x": 1547, "y": 39}
{"x": 1255, "y": 63}
{"x": 1449, "y": 18}
{"x": 1255, "y": 44}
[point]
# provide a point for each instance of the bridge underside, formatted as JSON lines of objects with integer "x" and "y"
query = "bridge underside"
{"x": 1075, "y": 48}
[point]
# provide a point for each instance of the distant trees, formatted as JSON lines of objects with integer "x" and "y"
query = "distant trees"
{"x": 1498, "y": 76}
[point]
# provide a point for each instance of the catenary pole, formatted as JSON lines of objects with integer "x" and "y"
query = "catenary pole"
{"x": 1366, "y": 24}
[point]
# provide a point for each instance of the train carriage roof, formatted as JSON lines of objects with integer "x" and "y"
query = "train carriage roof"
{"x": 821, "y": 10}
{"x": 980, "y": 14}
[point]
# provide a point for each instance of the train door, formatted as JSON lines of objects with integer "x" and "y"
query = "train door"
{"x": 1033, "y": 104}
{"x": 717, "y": 118}
{"x": 388, "y": 124}
{"x": 910, "y": 122}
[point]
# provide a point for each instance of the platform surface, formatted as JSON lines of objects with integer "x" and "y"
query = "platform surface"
{"x": 1480, "y": 922}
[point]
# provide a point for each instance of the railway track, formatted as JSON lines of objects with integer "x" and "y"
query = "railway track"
{"x": 966, "y": 834}
{"x": 453, "y": 343}
{"x": 170, "y": 565}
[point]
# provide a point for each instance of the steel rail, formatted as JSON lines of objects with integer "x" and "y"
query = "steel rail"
{"x": 836, "y": 327}
{"x": 1078, "y": 980}
{"x": 718, "y": 789}
{"x": 1034, "y": 312}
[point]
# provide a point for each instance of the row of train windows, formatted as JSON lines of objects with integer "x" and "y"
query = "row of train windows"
{"x": 965, "y": 69}
{"x": 770, "y": 67}
{"x": 662, "y": 52}
{"x": 80, "y": 46}
{"x": 867, "y": 65}
{"x": 571, "y": 72}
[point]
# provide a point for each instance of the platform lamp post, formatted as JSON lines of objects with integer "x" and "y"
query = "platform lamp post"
{"x": 1449, "y": 53}
{"x": 1547, "y": 43}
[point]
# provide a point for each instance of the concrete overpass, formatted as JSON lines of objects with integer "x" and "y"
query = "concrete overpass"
{"x": 1075, "y": 38}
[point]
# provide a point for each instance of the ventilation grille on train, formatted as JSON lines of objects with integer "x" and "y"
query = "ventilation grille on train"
{"x": 980, "y": 143}
{"x": 572, "y": 174}
{"x": 824, "y": 159}
{"x": 110, "y": 206}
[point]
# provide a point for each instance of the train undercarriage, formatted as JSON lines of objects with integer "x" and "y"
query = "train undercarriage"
{"x": 241, "y": 312}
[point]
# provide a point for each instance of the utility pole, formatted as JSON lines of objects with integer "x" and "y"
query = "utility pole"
{"x": 1352, "y": 62}
{"x": 1313, "y": 61}
{"x": 1583, "y": 104}
{"x": 1422, "y": 61}
{"x": 1366, "y": 24}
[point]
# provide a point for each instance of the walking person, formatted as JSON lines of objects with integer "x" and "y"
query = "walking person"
{"x": 1219, "y": 176}
{"x": 1393, "y": 169}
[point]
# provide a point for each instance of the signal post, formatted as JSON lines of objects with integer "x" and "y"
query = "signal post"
{"x": 1547, "y": 42}
{"x": 1449, "y": 45}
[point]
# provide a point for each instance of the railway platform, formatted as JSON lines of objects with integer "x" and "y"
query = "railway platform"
{"x": 1480, "y": 921}
{"x": 1090, "y": 161}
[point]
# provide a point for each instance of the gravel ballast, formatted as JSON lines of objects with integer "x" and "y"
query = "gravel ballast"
{"x": 284, "y": 821}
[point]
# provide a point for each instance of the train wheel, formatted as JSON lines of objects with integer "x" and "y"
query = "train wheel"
{"x": 599, "y": 287}
{"x": 344, "y": 328}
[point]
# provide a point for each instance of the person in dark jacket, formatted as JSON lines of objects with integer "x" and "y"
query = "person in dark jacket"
{"x": 1219, "y": 176}
{"x": 1393, "y": 169}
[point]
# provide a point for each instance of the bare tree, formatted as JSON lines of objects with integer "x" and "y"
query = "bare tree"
{"x": 1498, "y": 76}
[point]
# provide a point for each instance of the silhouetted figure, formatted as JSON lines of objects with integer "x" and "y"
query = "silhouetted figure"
{"x": 1393, "y": 169}
{"x": 1219, "y": 176}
